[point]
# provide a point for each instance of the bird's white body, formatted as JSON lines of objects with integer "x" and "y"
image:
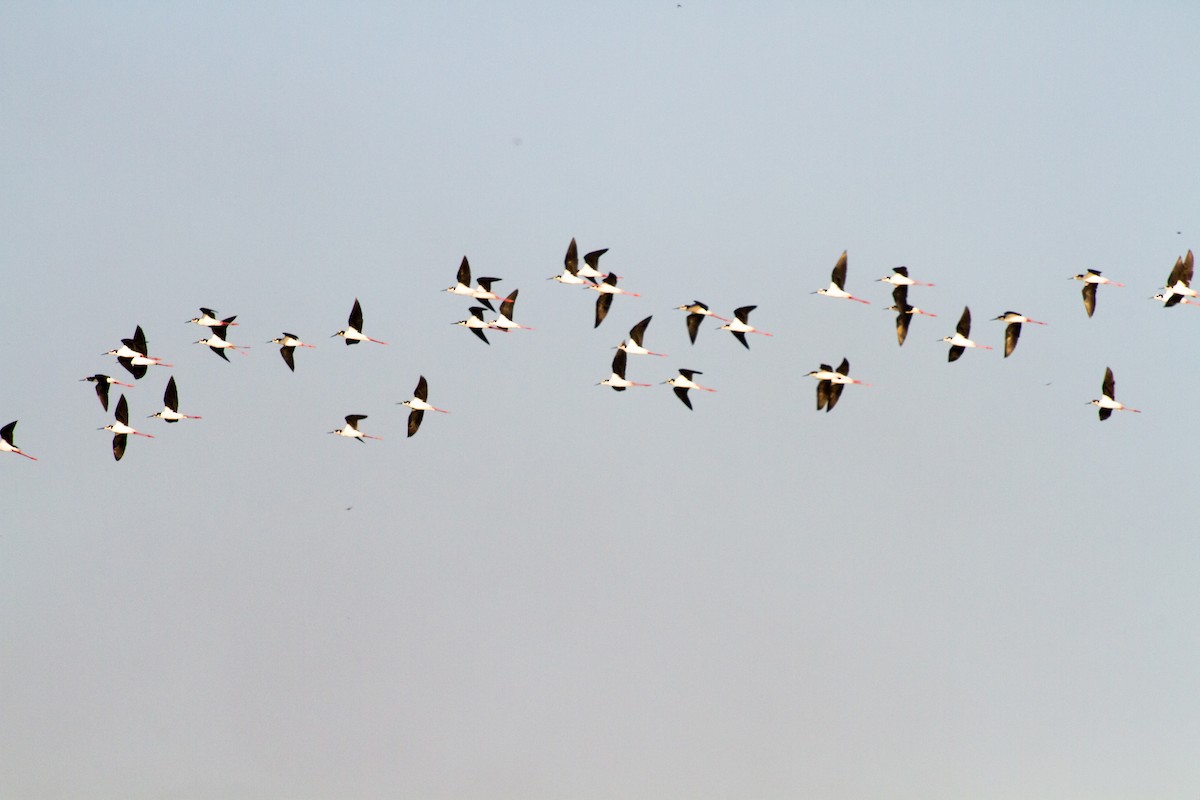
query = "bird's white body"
{"x": 958, "y": 340}
{"x": 569, "y": 279}
{"x": 122, "y": 428}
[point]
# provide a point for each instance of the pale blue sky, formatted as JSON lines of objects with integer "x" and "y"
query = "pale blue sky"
{"x": 957, "y": 584}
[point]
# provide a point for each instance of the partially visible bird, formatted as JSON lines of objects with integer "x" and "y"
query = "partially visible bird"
{"x": 419, "y": 406}
{"x": 959, "y": 341}
{"x": 683, "y": 382}
{"x": 1107, "y": 402}
{"x": 170, "y": 410}
{"x": 697, "y": 311}
{"x": 591, "y": 266}
{"x": 1091, "y": 279}
{"x": 351, "y": 431}
{"x": 1013, "y": 331}
{"x": 102, "y": 383}
{"x": 837, "y": 283}
{"x": 288, "y": 343}
{"x": 741, "y": 325}
{"x": 6, "y": 441}
{"x": 607, "y": 289}
{"x": 353, "y": 332}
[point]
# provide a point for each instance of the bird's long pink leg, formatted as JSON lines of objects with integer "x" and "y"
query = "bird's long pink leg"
{"x": 139, "y": 433}
{"x": 18, "y": 452}
{"x": 983, "y": 347}
{"x": 444, "y": 411}
{"x": 859, "y": 300}
{"x": 368, "y": 436}
{"x": 1134, "y": 410}
{"x": 764, "y": 333}
{"x": 376, "y": 341}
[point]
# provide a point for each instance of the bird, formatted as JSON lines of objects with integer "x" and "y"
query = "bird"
{"x": 170, "y": 410}
{"x": 899, "y": 277}
{"x": 503, "y": 320}
{"x": 133, "y": 355}
{"x": 481, "y": 292}
{"x": 351, "y": 430}
{"x": 591, "y": 266}
{"x": 208, "y": 318}
{"x": 1107, "y": 402}
{"x": 633, "y": 345}
{"x": 1013, "y": 331}
{"x": 121, "y": 430}
{"x": 353, "y": 333}
{"x": 288, "y": 343}
{"x": 830, "y": 384}
{"x": 418, "y": 405}
{"x": 959, "y": 341}
{"x": 1163, "y": 297}
{"x": 102, "y": 383}
{"x": 475, "y": 323}
{"x": 1091, "y": 279}
{"x": 683, "y": 382}
{"x": 617, "y": 380}
{"x": 697, "y": 311}
{"x": 905, "y": 313}
{"x": 607, "y": 288}
{"x": 6, "y": 441}
{"x": 1179, "y": 282}
{"x": 570, "y": 274}
{"x": 741, "y": 325}
{"x": 837, "y": 283}
{"x": 219, "y": 344}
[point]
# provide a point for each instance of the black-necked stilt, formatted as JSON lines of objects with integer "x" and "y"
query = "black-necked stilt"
{"x": 209, "y": 319}
{"x": 591, "y": 266}
{"x": 351, "y": 431}
{"x": 741, "y": 325}
{"x": 570, "y": 274}
{"x": 959, "y": 341}
{"x": 683, "y": 382}
{"x": 1179, "y": 282}
{"x": 170, "y": 410}
{"x": 353, "y": 333}
{"x": 607, "y": 288}
{"x": 6, "y": 441}
{"x": 1091, "y": 279}
{"x": 697, "y": 311}
{"x": 830, "y": 383}
{"x": 133, "y": 355}
{"x": 1013, "y": 331}
{"x": 288, "y": 343}
{"x": 121, "y": 430}
{"x": 617, "y": 380}
{"x": 419, "y": 406}
{"x": 102, "y": 383}
{"x": 633, "y": 345}
{"x": 219, "y": 344}
{"x": 481, "y": 292}
{"x": 504, "y": 320}
{"x": 475, "y": 323}
{"x": 1164, "y": 297}
{"x": 905, "y": 313}
{"x": 899, "y": 277}
{"x": 1107, "y": 402}
{"x": 837, "y": 283}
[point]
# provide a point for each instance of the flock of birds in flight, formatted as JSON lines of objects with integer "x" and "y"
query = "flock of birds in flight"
{"x": 134, "y": 355}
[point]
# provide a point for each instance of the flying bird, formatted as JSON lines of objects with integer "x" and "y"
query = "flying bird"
{"x": 697, "y": 311}
{"x": 121, "y": 430}
{"x": 418, "y": 405}
{"x": 633, "y": 345}
{"x": 481, "y": 292}
{"x": 288, "y": 343}
{"x": 6, "y": 441}
{"x": 102, "y": 383}
{"x": 1091, "y": 279}
{"x": 219, "y": 344}
{"x": 1179, "y": 282}
{"x": 132, "y": 355}
{"x": 353, "y": 333}
{"x": 905, "y": 313}
{"x": 607, "y": 289}
{"x": 741, "y": 325}
{"x": 591, "y": 266}
{"x": 1013, "y": 331}
{"x": 830, "y": 384}
{"x": 208, "y": 319}
{"x": 570, "y": 274}
{"x": 899, "y": 277}
{"x": 351, "y": 431}
{"x": 1107, "y": 402}
{"x": 837, "y": 283}
{"x": 503, "y": 320}
{"x": 959, "y": 341}
{"x": 683, "y": 382}
{"x": 617, "y": 380}
{"x": 170, "y": 410}
{"x": 475, "y": 323}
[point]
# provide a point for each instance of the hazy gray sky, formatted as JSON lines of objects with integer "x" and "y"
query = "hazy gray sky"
{"x": 958, "y": 584}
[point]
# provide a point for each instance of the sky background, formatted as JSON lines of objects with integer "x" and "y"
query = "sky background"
{"x": 958, "y": 584}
